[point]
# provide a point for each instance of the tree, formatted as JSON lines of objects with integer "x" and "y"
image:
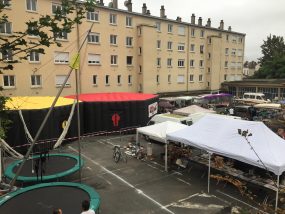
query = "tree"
{"x": 272, "y": 63}
{"x": 47, "y": 28}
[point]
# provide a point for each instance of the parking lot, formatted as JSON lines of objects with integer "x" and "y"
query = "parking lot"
{"x": 142, "y": 186}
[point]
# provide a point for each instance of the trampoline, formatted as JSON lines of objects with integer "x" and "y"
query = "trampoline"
{"x": 56, "y": 166}
{"x": 44, "y": 198}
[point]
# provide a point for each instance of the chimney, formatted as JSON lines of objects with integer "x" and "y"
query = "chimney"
{"x": 144, "y": 8}
{"x": 209, "y": 22}
{"x": 200, "y": 21}
{"x": 162, "y": 12}
{"x": 148, "y": 12}
{"x": 178, "y": 19}
{"x": 230, "y": 28}
{"x": 193, "y": 19}
{"x": 129, "y": 5}
{"x": 221, "y": 25}
{"x": 101, "y": 2}
{"x": 115, "y": 4}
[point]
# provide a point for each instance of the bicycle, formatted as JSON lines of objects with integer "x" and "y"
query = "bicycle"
{"x": 119, "y": 154}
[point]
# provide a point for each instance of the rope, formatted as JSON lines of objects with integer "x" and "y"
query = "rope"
{"x": 10, "y": 150}
{"x": 29, "y": 137}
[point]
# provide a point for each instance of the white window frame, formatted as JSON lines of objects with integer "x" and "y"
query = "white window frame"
{"x": 157, "y": 79}
{"x": 202, "y": 47}
{"x": 113, "y": 39}
{"x": 158, "y": 44}
{"x": 181, "y": 30}
{"x": 192, "y": 31}
{"x": 31, "y": 5}
{"x": 169, "y": 78}
{"x": 131, "y": 58}
{"x": 169, "y": 45}
{"x": 158, "y": 62}
{"x": 54, "y": 7}
{"x": 6, "y": 28}
{"x": 180, "y": 78}
{"x": 129, "y": 21}
{"x": 226, "y": 64}
{"x": 202, "y": 34}
{"x": 94, "y": 59}
{"x": 192, "y": 63}
{"x": 170, "y": 28}
{"x": 129, "y": 41}
{"x": 191, "y": 78}
{"x": 181, "y": 47}
{"x": 201, "y": 63}
{"x": 61, "y": 36}
{"x": 92, "y": 16}
{"x": 130, "y": 79}
{"x": 61, "y": 57}
{"x": 59, "y": 79}
{"x": 200, "y": 77}
{"x": 114, "y": 59}
{"x": 7, "y": 57}
{"x": 94, "y": 38}
{"x": 169, "y": 62}
{"x": 36, "y": 81}
{"x": 181, "y": 63}
{"x": 11, "y": 81}
{"x": 226, "y": 51}
{"x": 34, "y": 57}
{"x": 113, "y": 19}
{"x": 234, "y": 52}
{"x": 192, "y": 48}
{"x": 158, "y": 26}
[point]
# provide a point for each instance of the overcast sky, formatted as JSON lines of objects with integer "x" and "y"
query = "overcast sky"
{"x": 256, "y": 18}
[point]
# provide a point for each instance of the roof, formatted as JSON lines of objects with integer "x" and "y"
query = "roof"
{"x": 113, "y": 97}
{"x": 191, "y": 110}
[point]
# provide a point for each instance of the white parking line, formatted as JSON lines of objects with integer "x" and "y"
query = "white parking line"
{"x": 124, "y": 181}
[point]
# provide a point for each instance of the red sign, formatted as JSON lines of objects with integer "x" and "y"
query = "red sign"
{"x": 116, "y": 118}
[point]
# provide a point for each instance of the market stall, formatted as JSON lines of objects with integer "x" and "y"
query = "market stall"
{"x": 192, "y": 110}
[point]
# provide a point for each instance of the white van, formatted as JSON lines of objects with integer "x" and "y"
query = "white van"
{"x": 159, "y": 118}
{"x": 255, "y": 98}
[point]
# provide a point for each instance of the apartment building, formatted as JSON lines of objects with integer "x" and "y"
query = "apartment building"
{"x": 126, "y": 51}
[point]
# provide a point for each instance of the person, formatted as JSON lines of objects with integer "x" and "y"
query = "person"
{"x": 281, "y": 132}
{"x": 57, "y": 211}
{"x": 86, "y": 207}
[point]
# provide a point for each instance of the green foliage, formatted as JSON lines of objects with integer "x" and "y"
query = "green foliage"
{"x": 4, "y": 122}
{"x": 273, "y": 60}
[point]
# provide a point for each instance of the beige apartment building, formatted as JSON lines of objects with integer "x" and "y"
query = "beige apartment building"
{"x": 126, "y": 51}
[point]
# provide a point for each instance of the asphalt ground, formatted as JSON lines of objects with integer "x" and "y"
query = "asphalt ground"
{"x": 143, "y": 186}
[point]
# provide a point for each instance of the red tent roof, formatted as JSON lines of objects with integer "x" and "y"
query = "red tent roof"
{"x": 112, "y": 97}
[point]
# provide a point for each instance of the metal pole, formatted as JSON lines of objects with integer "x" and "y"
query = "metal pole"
{"x": 137, "y": 138}
{"x": 277, "y": 194}
{"x": 165, "y": 156}
{"x": 209, "y": 172}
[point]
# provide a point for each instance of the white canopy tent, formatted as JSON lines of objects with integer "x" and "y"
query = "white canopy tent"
{"x": 158, "y": 132}
{"x": 220, "y": 135}
{"x": 192, "y": 110}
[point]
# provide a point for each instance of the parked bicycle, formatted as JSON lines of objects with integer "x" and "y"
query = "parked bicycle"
{"x": 119, "y": 153}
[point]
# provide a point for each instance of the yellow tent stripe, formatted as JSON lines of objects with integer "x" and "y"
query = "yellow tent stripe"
{"x": 75, "y": 61}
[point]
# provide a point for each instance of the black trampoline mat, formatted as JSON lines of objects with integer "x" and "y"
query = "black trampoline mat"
{"x": 53, "y": 165}
{"x": 45, "y": 200}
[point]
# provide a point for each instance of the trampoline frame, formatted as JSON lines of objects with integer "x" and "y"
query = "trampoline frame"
{"x": 10, "y": 174}
{"x": 94, "y": 196}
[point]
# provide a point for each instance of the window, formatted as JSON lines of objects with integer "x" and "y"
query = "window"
{"x": 158, "y": 44}
{"x": 140, "y": 50}
{"x": 129, "y": 41}
{"x": 119, "y": 79}
{"x": 6, "y": 28}
{"x": 94, "y": 79}
{"x": 170, "y": 28}
{"x": 209, "y": 55}
{"x": 114, "y": 59}
{"x": 113, "y": 19}
{"x": 192, "y": 48}
{"x": 59, "y": 80}
{"x": 240, "y": 39}
{"x": 129, "y": 21}
{"x": 180, "y": 63}
{"x": 129, "y": 60}
{"x": 157, "y": 79}
{"x": 92, "y": 15}
{"x": 6, "y": 3}
{"x": 34, "y": 56}
{"x": 226, "y": 64}
{"x": 113, "y": 39}
{"x": 192, "y": 63}
{"x": 202, "y": 33}
{"x": 225, "y": 77}
{"x": 192, "y": 32}
{"x": 191, "y": 78}
{"x": 169, "y": 78}
{"x": 234, "y": 39}
{"x": 61, "y": 35}
{"x": 180, "y": 79}
{"x": 227, "y": 37}
{"x": 181, "y": 46}
{"x": 181, "y": 30}
{"x": 9, "y": 81}
{"x": 233, "y": 64}
{"x": 129, "y": 79}
{"x": 32, "y": 32}
{"x": 140, "y": 69}
{"x": 201, "y": 49}
{"x": 169, "y": 62}
{"x": 94, "y": 59}
{"x": 239, "y": 52}
{"x": 209, "y": 70}
{"x": 158, "y": 62}
{"x": 210, "y": 40}
{"x": 169, "y": 45}
{"x": 200, "y": 78}
{"x": 233, "y": 52}
{"x": 94, "y": 38}
{"x": 157, "y": 25}
{"x": 36, "y": 80}
{"x": 61, "y": 57}
{"x": 201, "y": 63}
{"x": 227, "y": 51}
{"x": 56, "y": 8}
{"x": 107, "y": 80}
{"x": 7, "y": 55}
{"x": 31, "y": 5}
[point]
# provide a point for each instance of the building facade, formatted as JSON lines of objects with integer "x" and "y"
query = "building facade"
{"x": 125, "y": 51}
